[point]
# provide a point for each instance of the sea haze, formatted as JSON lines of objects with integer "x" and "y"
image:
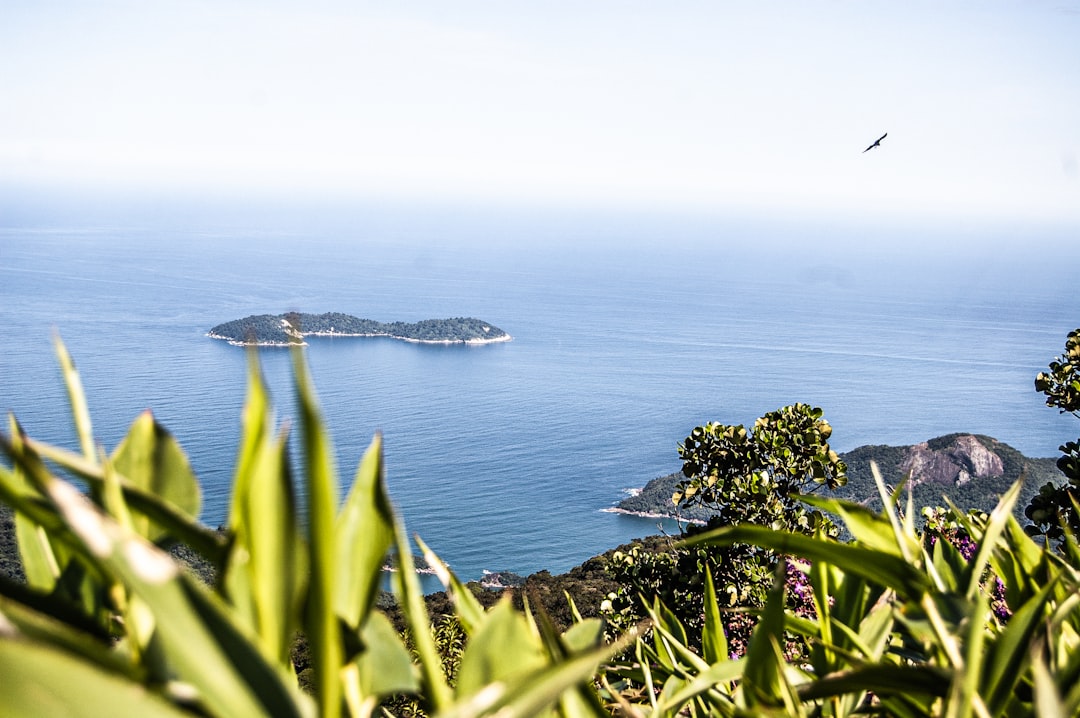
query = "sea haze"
{"x": 626, "y": 335}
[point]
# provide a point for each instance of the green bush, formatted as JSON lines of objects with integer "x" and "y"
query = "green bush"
{"x": 903, "y": 626}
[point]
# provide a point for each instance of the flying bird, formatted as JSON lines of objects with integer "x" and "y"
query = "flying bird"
{"x": 877, "y": 142}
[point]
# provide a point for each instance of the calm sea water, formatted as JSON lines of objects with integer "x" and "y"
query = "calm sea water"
{"x": 626, "y": 336}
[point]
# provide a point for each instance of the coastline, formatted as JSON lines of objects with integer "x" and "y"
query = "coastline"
{"x": 651, "y": 515}
{"x": 411, "y": 340}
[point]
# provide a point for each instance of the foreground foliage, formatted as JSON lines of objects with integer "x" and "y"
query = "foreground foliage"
{"x": 967, "y": 615}
{"x": 904, "y": 626}
{"x": 108, "y": 623}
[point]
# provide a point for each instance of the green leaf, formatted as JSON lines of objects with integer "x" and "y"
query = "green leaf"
{"x": 584, "y": 634}
{"x": 173, "y": 521}
{"x": 503, "y": 647}
{"x": 363, "y": 534}
{"x": 882, "y": 679}
{"x": 704, "y": 683}
{"x": 40, "y": 562}
{"x": 151, "y": 460}
{"x": 322, "y": 624}
{"x": 411, "y": 598}
{"x": 205, "y": 647}
{"x": 995, "y": 528}
{"x": 385, "y": 666}
{"x": 1008, "y": 655}
{"x": 882, "y": 568}
{"x": 44, "y": 680}
{"x": 264, "y": 577}
{"x": 77, "y": 397}
{"x": 27, "y": 615}
{"x": 528, "y": 695}
{"x": 469, "y": 611}
{"x": 764, "y": 674}
{"x": 1048, "y": 703}
{"x": 869, "y": 528}
{"x": 714, "y": 645}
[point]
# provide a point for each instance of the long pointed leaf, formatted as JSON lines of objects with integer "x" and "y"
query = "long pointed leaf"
{"x": 363, "y": 534}
{"x": 77, "y": 397}
{"x": 881, "y": 568}
{"x": 151, "y": 459}
{"x": 468, "y": 609}
{"x": 714, "y": 645}
{"x": 322, "y": 622}
{"x": 416, "y": 615}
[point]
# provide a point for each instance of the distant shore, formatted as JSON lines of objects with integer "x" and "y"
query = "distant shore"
{"x": 651, "y": 515}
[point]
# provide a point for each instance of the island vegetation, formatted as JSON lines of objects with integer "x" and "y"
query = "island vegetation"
{"x": 292, "y": 327}
{"x": 790, "y": 601}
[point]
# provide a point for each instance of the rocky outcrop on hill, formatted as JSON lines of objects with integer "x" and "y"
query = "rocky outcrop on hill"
{"x": 957, "y": 463}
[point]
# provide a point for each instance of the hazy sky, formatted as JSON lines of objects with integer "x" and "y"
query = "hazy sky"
{"x": 758, "y": 105}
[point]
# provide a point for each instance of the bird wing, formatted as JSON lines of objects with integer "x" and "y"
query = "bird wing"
{"x": 877, "y": 142}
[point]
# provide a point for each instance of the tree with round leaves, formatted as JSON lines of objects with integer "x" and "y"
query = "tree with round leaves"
{"x": 743, "y": 476}
{"x": 1055, "y": 507}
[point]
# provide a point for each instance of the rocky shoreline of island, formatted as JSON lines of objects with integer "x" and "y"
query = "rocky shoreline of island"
{"x": 291, "y": 329}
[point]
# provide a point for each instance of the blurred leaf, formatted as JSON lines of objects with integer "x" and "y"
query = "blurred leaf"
{"x": 869, "y": 528}
{"x": 385, "y": 666}
{"x": 77, "y": 398}
{"x": 763, "y": 677}
{"x": 264, "y": 578}
{"x": 27, "y": 615}
{"x": 714, "y": 645}
{"x": 1007, "y": 657}
{"x": 172, "y": 520}
{"x": 503, "y": 647}
{"x": 879, "y": 567}
{"x": 1048, "y": 703}
{"x": 364, "y": 533}
{"x": 39, "y": 561}
{"x": 468, "y": 609}
{"x": 703, "y": 683}
{"x": 882, "y": 679}
{"x": 151, "y": 460}
{"x": 411, "y": 598}
{"x": 44, "y": 680}
{"x": 322, "y": 624}
{"x": 204, "y": 646}
{"x": 584, "y": 634}
{"x": 527, "y": 695}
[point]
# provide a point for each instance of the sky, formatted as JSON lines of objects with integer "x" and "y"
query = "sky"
{"x": 755, "y": 106}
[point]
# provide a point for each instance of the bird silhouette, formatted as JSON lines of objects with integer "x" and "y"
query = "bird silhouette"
{"x": 877, "y": 142}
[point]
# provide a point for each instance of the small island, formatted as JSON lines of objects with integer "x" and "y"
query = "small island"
{"x": 288, "y": 329}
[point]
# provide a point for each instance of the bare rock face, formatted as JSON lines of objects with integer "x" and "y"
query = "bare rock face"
{"x": 963, "y": 459}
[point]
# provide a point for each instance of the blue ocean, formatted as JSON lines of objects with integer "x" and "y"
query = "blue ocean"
{"x": 628, "y": 331}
